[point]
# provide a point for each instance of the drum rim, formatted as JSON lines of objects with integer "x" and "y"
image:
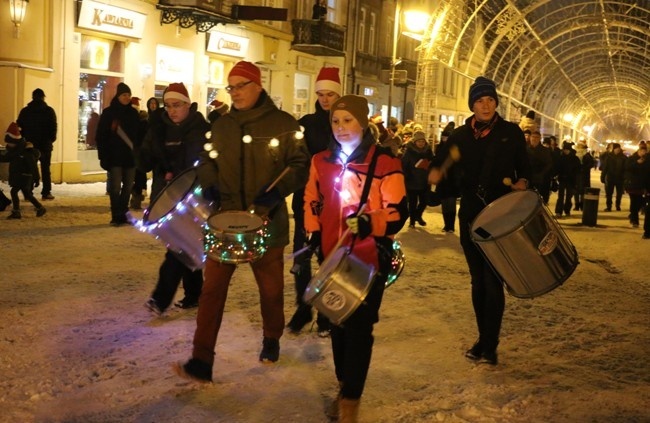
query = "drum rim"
{"x": 232, "y": 231}
{"x": 514, "y": 229}
{"x": 147, "y": 212}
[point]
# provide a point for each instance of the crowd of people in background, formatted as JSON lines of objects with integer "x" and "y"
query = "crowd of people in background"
{"x": 411, "y": 169}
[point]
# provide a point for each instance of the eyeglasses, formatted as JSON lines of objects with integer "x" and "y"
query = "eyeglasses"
{"x": 231, "y": 88}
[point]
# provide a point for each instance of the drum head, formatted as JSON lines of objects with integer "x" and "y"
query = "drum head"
{"x": 171, "y": 195}
{"x": 234, "y": 222}
{"x": 504, "y": 215}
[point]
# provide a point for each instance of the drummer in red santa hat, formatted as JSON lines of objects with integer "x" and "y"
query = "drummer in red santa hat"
{"x": 318, "y": 134}
{"x": 219, "y": 108}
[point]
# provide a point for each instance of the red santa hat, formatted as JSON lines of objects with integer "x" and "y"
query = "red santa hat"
{"x": 218, "y": 105}
{"x": 176, "y": 90}
{"x": 13, "y": 131}
{"x": 328, "y": 80}
{"x": 247, "y": 70}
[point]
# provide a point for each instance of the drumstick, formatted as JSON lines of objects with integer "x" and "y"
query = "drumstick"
{"x": 284, "y": 172}
{"x": 347, "y": 231}
{"x": 251, "y": 208}
{"x": 454, "y": 156}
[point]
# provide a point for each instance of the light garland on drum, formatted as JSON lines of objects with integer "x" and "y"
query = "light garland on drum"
{"x": 235, "y": 250}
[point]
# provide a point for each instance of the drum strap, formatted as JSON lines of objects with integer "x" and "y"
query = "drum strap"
{"x": 366, "y": 186}
{"x": 369, "y": 177}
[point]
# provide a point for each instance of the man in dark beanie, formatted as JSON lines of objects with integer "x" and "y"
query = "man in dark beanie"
{"x": 38, "y": 123}
{"x": 487, "y": 151}
{"x": 117, "y": 132}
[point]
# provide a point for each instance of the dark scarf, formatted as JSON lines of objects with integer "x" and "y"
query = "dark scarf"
{"x": 482, "y": 129}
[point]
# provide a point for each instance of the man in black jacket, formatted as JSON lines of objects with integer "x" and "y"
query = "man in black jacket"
{"x": 318, "y": 133}
{"x": 490, "y": 153}
{"x": 37, "y": 121}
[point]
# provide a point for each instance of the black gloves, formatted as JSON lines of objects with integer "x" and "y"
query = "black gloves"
{"x": 314, "y": 240}
{"x": 211, "y": 194}
{"x": 359, "y": 225}
{"x": 268, "y": 199}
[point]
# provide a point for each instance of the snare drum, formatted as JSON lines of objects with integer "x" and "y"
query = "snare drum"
{"x": 340, "y": 285}
{"x": 177, "y": 216}
{"x": 396, "y": 263}
{"x": 235, "y": 237}
{"x": 524, "y": 244}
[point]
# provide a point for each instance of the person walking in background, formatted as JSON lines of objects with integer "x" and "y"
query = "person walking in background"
{"x": 140, "y": 179}
{"x": 4, "y": 200}
{"x": 567, "y": 177}
{"x": 416, "y": 160}
{"x": 541, "y": 164}
{"x": 172, "y": 145}
{"x": 252, "y": 145}
{"x": 23, "y": 170}
{"x": 38, "y": 125}
{"x": 447, "y": 188}
{"x": 218, "y": 108}
{"x": 337, "y": 189}
{"x": 637, "y": 169}
{"x": 614, "y": 174}
{"x": 487, "y": 149}
{"x": 528, "y": 123}
{"x": 318, "y": 134}
{"x": 584, "y": 173}
{"x": 117, "y": 132}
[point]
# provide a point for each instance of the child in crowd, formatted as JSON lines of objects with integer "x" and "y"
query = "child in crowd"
{"x": 23, "y": 170}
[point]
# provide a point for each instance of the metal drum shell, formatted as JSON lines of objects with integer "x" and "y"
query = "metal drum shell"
{"x": 177, "y": 215}
{"x": 235, "y": 237}
{"x": 524, "y": 244}
{"x": 340, "y": 286}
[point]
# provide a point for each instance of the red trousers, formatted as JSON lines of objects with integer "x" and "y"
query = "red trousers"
{"x": 269, "y": 275}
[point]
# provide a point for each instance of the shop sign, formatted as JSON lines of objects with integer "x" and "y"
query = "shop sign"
{"x": 227, "y": 44}
{"x": 111, "y": 19}
{"x": 174, "y": 65}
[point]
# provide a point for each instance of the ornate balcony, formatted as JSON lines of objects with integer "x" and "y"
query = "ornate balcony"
{"x": 318, "y": 37}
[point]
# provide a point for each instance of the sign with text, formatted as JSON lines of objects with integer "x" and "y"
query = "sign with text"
{"x": 113, "y": 20}
{"x": 227, "y": 44}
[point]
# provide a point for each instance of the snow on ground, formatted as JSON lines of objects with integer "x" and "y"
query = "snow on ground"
{"x": 77, "y": 345}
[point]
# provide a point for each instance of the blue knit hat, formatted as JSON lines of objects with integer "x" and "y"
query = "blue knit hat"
{"x": 480, "y": 88}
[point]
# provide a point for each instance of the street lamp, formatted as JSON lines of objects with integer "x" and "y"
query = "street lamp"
{"x": 17, "y": 10}
{"x": 416, "y": 23}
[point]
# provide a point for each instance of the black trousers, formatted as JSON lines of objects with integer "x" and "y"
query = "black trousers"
{"x": 46, "y": 175}
{"x": 172, "y": 271}
{"x": 417, "y": 202}
{"x": 302, "y": 264}
{"x": 610, "y": 186}
{"x": 488, "y": 297}
{"x": 26, "y": 189}
{"x": 352, "y": 341}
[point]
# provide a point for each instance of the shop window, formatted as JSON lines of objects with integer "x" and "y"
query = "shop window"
{"x": 102, "y": 54}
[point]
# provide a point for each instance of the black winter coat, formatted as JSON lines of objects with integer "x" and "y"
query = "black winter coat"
{"x": 170, "y": 147}
{"x": 614, "y": 168}
{"x": 486, "y": 161}
{"x": 568, "y": 169}
{"x": 318, "y": 130}
{"x": 637, "y": 175}
{"x": 37, "y": 122}
{"x": 416, "y": 177}
{"x": 23, "y": 164}
{"x": 112, "y": 150}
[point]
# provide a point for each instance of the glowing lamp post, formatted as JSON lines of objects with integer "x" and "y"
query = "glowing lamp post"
{"x": 416, "y": 23}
